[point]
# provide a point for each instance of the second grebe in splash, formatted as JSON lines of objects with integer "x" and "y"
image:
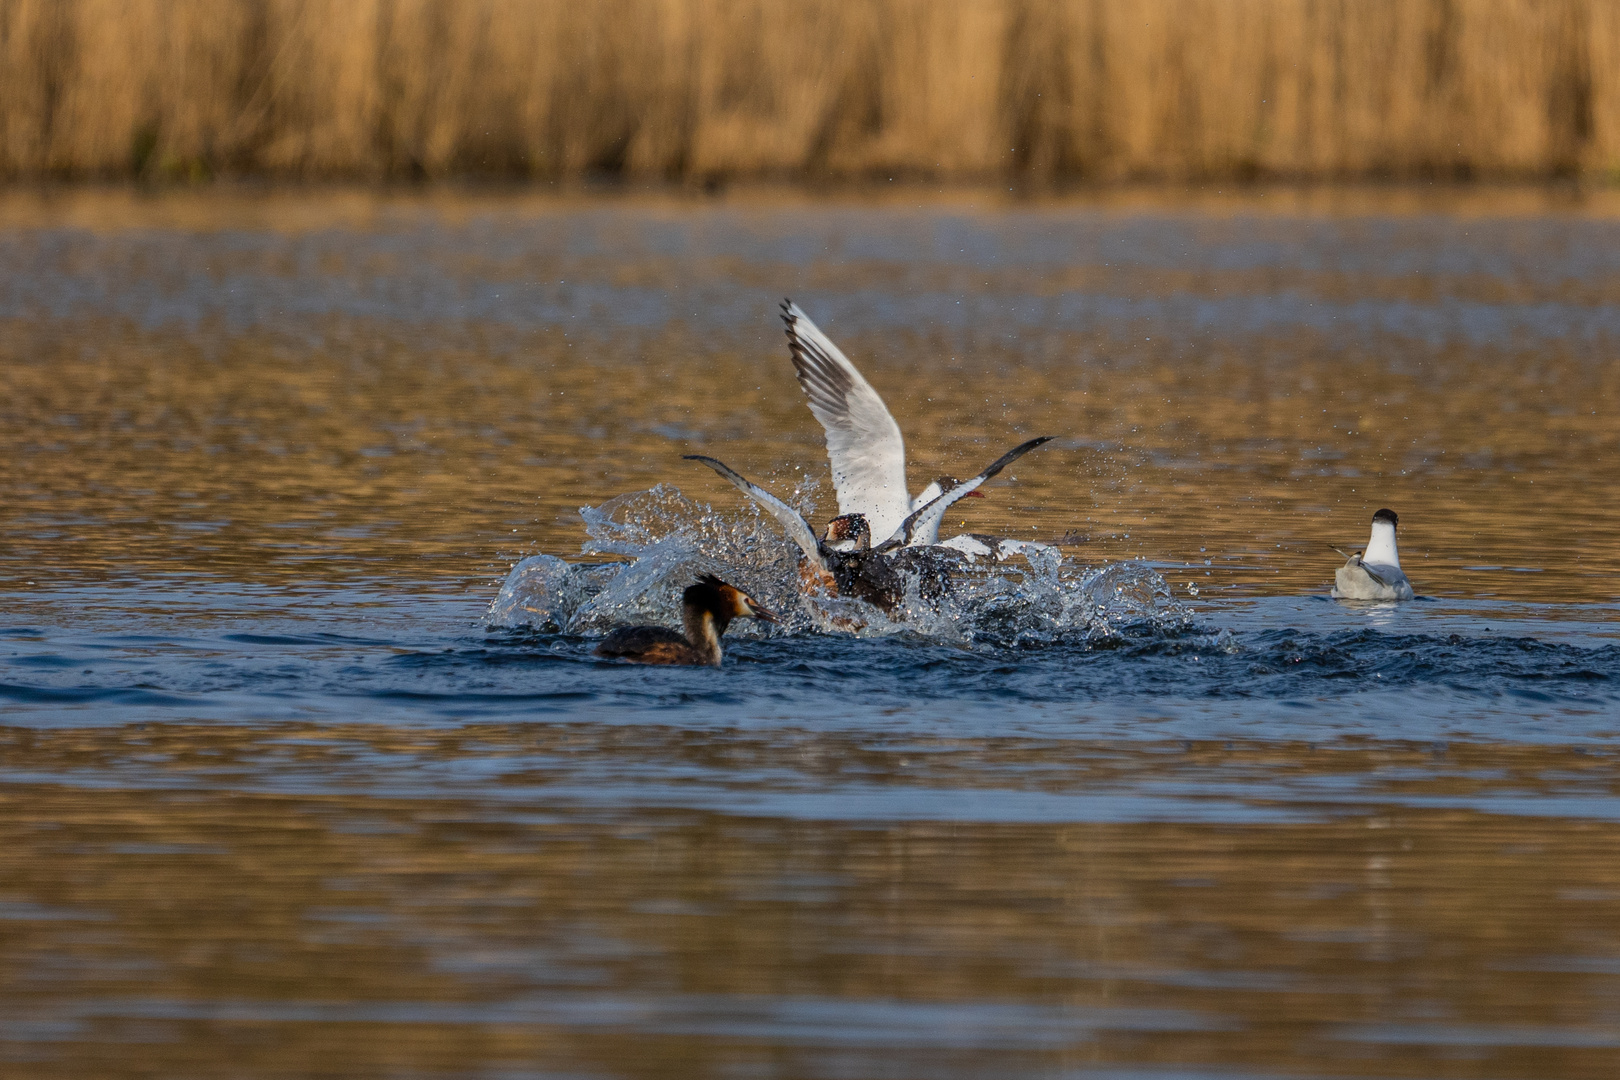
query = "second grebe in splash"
{"x": 845, "y": 561}
{"x": 707, "y": 608}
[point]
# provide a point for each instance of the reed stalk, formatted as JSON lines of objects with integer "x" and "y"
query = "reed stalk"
{"x": 702, "y": 90}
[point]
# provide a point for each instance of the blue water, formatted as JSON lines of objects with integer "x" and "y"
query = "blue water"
{"x": 292, "y": 786}
{"x": 1260, "y": 667}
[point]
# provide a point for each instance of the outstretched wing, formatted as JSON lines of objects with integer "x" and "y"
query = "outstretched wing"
{"x": 926, "y": 521}
{"x": 798, "y": 529}
{"x": 868, "y": 455}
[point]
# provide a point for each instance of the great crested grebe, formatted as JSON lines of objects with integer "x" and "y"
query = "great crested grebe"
{"x": 864, "y": 444}
{"x": 707, "y": 608}
{"x": 1374, "y": 574}
{"x": 845, "y": 562}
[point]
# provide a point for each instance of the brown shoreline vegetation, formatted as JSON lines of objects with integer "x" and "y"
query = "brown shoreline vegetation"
{"x": 708, "y": 91}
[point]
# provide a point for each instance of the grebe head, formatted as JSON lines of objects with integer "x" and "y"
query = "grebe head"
{"x": 725, "y": 602}
{"x": 1386, "y": 515}
{"x": 848, "y": 532}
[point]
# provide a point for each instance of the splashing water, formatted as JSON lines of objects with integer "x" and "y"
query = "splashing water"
{"x": 663, "y": 541}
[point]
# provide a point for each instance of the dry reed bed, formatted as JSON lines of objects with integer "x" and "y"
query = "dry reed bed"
{"x": 703, "y": 89}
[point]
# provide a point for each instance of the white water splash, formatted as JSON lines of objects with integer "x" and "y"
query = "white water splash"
{"x": 663, "y": 541}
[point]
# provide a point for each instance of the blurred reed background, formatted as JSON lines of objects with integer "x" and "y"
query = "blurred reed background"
{"x": 707, "y": 90}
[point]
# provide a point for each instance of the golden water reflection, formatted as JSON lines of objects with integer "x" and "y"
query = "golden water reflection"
{"x": 1209, "y": 418}
{"x": 273, "y": 894}
{"x": 214, "y": 407}
{"x": 152, "y": 456}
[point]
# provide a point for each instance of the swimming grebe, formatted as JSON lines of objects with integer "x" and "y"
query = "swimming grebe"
{"x": 707, "y": 608}
{"x": 864, "y": 444}
{"x": 1374, "y": 574}
{"x": 844, "y": 561}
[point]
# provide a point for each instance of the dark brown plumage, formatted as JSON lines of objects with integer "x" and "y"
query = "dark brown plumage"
{"x": 880, "y": 578}
{"x": 707, "y": 608}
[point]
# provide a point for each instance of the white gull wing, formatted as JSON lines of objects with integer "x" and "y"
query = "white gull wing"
{"x": 927, "y": 495}
{"x": 970, "y": 546}
{"x": 864, "y": 444}
{"x": 798, "y": 529}
{"x": 996, "y": 549}
{"x": 925, "y": 522}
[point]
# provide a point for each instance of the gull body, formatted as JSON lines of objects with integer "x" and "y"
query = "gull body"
{"x": 707, "y": 608}
{"x": 1374, "y": 573}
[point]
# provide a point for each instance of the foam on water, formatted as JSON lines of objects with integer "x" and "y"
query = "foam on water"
{"x": 663, "y": 541}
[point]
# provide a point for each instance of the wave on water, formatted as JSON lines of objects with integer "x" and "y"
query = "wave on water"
{"x": 645, "y": 547}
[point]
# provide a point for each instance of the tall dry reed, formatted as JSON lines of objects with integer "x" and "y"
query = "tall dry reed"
{"x": 698, "y": 89}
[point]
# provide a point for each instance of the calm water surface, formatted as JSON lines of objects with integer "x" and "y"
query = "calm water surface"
{"x": 281, "y": 796}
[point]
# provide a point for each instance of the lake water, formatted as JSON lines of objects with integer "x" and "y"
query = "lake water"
{"x": 282, "y": 798}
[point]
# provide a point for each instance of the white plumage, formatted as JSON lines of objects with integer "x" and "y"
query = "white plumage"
{"x": 1374, "y": 574}
{"x": 925, "y": 520}
{"x": 864, "y": 444}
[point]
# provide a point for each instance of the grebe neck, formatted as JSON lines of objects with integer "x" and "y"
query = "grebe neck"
{"x": 703, "y": 630}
